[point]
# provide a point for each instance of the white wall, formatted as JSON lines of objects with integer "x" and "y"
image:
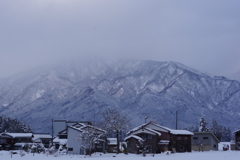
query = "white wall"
{"x": 72, "y": 141}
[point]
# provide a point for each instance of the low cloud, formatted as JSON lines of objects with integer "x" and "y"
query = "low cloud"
{"x": 201, "y": 34}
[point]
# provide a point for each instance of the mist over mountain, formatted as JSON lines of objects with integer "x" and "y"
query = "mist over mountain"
{"x": 83, "y": 90}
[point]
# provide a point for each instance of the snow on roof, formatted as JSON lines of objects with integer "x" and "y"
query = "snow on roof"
{"x": 176, "y": 131}
{"x": 196, "y": 133}
{"x": 137, "y": 128}
{"x": 112, "y": 141}
{"x": 163, "y": 142}
{"x": 158, "y": 133}
{"x": 237, "y": 131}
{"x": 81, "y": 127}
{"x": 37, "y": 136}
{"x": 14, "y": 135}
{"x": 21, "y": 144}
{"x": 133, "y": 136}
{"x": 63, "y": 132}
{"x": 172, "y": 131}
{"x": 60, "y": 141}
{"x": 143, "y": 127}
{"x": 180, "y": 132}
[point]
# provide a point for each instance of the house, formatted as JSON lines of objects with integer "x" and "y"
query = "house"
{"x": 61, "y": 139}
{"x": 142, "y": 137}
{"x": 43, "y": 138}
{"x": 76, "y": 146}
{"x": 65, "y": 133}
{"x": 60, "y": 125}
{"x": 14, "y": 141}
{"x": 237, "y": 139}
{"x": 204, "y": 141}
{"x": 60, "y": 131}
{"x": 5, "y": 142}
{"x": 156, "y": 139}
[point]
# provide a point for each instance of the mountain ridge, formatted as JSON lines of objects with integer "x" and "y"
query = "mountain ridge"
{"x": 81, "y": 91}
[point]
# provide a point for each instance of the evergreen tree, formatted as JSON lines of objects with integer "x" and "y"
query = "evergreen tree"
{"x": 216, "y": 129}
{"x": 193, "y": 128}
{"x": 223, "y": 133}
{"x": 226, "y": 134}
{"x": 13, "y": 126}
{"x": 202, "y": 125}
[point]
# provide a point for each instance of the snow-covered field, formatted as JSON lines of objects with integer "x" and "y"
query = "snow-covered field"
{"x": 210, "y": 155}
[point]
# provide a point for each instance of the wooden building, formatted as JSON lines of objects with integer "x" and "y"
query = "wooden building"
{"x": 14, "y": 141}
{"x": 143, "y": 138}
{"x": 237, "y": 139}
{"x": 155, "y": 139}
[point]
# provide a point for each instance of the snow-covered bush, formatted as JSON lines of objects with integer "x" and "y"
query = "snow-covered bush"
{"x": 125, "y": 151}
{"x": 22, "y": 153}
{"x": 26, "y": 147}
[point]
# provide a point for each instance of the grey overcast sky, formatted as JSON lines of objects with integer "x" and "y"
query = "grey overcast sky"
{"x": 202, "y": 34}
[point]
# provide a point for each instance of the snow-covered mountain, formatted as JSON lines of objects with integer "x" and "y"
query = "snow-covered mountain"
{"x": 83, "y": 90}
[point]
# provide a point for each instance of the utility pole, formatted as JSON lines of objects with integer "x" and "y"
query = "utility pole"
{"x": 52, "y": 131}
{"x": 176, "y": 119}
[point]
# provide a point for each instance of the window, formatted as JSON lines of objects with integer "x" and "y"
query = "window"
{"x": 205, "y": 137}
{"x": 70, "y": 149}
{"x": 148, "y": 136}
{"x": 2, "y": 141}
{"x": 214, "y": 146}
{"x": 179, "y": 138}
{"x": 57, "y": 146}
{"x": 99, "y": 146}
{"x": 195, "y": 137}
{"x": 62, "y": 136}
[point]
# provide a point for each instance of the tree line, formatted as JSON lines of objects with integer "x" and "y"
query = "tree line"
{"x": 223, "y": 133}
{"x": 13, "y": 125}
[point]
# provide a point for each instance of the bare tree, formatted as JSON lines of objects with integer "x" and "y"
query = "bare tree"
{"x": 115, "y": 121}
{"x": 141, "y": 147}
{"x": 90, "y": 136}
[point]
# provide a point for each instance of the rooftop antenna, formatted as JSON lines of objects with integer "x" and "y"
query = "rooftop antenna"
{"x": 146, "y": 119}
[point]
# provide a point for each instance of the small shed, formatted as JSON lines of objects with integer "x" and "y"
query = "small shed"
{"x": 112, "y": 145}
{"x": 204, "y": 141}
{"x": 44, "y": 138}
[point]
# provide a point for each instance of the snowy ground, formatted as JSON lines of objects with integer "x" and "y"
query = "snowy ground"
{"x": 210, "y": 155}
